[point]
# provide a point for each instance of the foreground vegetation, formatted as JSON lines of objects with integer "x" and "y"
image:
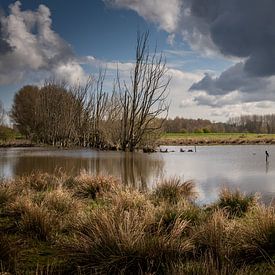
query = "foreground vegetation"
{"x": 215, "y": 138}
{"x": 95, "y": 225}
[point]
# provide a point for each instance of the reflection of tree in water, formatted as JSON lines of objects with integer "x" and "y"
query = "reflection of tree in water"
{"x": 136, "y": 169}
{"x": 140, "y": 169}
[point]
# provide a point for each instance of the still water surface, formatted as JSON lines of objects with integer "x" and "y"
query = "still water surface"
{"x": 211, "y": 167}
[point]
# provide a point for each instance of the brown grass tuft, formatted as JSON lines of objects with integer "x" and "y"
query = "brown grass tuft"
{"x": 174, "y": 189}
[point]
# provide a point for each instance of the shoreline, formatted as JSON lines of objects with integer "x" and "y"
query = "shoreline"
{"x": 185, "y": 142}
{"x": 216, "y": 139}
{"x": 173, "y": 139}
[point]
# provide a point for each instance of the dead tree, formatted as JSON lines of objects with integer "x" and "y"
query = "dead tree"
{"x": 145, "y": 99}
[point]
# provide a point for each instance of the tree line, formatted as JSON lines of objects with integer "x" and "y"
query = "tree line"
{"x": 253, "y": 123}
{"x": 262, "y": 124}
{"x": 184, "y": 125}
{"x": 87, "y": 115}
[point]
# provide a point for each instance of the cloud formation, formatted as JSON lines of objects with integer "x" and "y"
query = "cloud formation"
{"x": 29, "y": 45}
{"x": 165, "y": 14}
{"x": 239, "y": 30}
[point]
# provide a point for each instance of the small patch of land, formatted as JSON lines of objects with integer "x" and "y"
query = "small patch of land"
{"x": 216, "y": 138}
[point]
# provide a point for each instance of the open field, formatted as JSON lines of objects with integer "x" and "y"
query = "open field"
{"x": 215, "y": 138}
{"x": 95, "y": 225}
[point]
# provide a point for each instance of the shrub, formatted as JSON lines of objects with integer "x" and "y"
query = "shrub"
{"x": 7, "y": 133}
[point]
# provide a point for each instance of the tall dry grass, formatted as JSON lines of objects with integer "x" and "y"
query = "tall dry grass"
{"x": 111, "y": 242}
{"x": 95, "y": 225}
{"x": 174, "y": 189}
{"x": 236, "y": 203}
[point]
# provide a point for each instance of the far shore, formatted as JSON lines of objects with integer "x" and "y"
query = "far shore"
{"x": 17, "y": 143}
{"x": 178, "y": 139}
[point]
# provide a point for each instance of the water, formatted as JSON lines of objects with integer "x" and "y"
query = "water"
{"x": 211, "y": 167}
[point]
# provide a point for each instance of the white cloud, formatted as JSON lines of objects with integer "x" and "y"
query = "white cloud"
{"x": 34, "y": 47}
{"x": 165, "y": 14}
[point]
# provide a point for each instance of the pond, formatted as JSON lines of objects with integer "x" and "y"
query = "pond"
{"x": 211, "y": 167}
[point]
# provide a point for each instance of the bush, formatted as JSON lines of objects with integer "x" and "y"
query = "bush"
{"x": 198, "y": 131}
{"x": 7, "y": 133}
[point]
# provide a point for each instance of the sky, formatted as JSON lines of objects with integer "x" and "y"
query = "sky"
{"x": 220, "y": 54}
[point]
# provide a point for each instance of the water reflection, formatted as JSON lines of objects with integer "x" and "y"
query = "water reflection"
{"x": 136, "y": 169}
{"x": 266, "y": 166}
{"x": 242, "y": 167}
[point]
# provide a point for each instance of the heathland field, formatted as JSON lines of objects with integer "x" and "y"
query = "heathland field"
{"x": 96, "y": 225}
{"x": 215, "y": 138}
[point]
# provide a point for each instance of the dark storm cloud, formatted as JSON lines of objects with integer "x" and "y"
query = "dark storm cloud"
{"x": 237, "y": 28}
{"x": 241, "y": 28}
{"x": 235, "y": 78}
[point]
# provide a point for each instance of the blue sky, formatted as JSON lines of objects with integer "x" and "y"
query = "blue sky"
{"x": 72, "y": 39}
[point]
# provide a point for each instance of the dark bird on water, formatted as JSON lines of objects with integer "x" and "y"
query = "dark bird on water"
{"x": 266, "y": 155}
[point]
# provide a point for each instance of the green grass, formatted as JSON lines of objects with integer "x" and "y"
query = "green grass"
{"x": 216, "y": 138}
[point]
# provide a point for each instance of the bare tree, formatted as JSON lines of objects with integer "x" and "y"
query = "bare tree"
{"x": 145, "y": 99}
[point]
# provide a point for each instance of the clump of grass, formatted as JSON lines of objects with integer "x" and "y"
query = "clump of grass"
{"x": 109, "y": 242}
{"x": 88, "y": 186}
{"x": 257, "y": 235}
{"x": 213, "y": 238}
{"x": 6, "y": 194}
{"x": 60, "y": 201}
{"x": 7, "y": 254}
{"x": 126, "y": 199}
{"x": 235, "y": 203}
{"x": 33, "y": 220}
{"x": 39, "y": 181}
{"x": 174, "y": 189}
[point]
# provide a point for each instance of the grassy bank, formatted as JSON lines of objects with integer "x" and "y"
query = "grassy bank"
{"x": 216, "y": 138}
{"x": 95, "y": 225}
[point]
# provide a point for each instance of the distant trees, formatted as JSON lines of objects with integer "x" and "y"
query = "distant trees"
{"x": 184, "y": 125}
{"x": 245, "y": 123}
{"x": 253, "y": 123}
